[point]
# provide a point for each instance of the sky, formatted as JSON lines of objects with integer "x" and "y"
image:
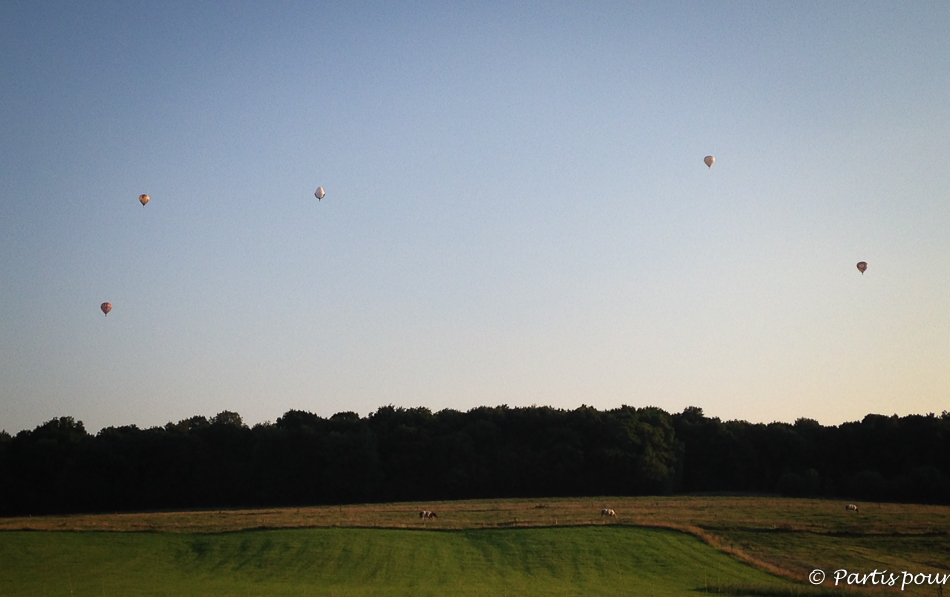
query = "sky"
{"x": 517, "y": 210}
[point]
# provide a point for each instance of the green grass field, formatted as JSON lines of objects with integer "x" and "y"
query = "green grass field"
{"x": 562, "y": 561}
{"x": 656, "y": 546}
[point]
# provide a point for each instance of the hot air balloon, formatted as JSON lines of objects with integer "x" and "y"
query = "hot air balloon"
{"x": 106, "y": 307}
{"x": 143, "y": 199}
{"x": 862, "y": 265}
{"x": 320, "y": 194}
{"x": 709, "y": 161}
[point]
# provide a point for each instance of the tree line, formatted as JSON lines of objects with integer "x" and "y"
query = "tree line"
{"x": 400, "y": 454}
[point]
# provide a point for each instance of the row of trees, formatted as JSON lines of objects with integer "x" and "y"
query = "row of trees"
{"x": 398, "y": 454}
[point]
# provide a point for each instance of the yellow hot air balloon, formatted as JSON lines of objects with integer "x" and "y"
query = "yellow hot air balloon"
{"x": 320, "y": 194}
{"x": 709, "y": 161}
{"x": 143, "y": 199}
{"x": 862, "y": 265}
{"x": 106, "y": 307}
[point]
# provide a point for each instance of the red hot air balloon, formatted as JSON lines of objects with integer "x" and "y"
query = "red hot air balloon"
{"x": 143, "y": 199}
{"x": 862, "y": 265}
{"x": 106, "y": 307}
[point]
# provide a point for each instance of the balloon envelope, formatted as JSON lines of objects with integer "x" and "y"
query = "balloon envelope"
{"x": 320, "y": 194}
{"x": 862, "y": 265}
{"x": 106, "y": 307}
{"x": 709, "y": 161}
{"x": 143, "y": 199}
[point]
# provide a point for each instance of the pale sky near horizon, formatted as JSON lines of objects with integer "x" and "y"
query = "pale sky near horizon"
{"x": 517, "y": 209}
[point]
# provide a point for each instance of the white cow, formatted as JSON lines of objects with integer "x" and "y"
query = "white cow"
{"x": 608, "y": 512}
{"x": 850, "y": 507}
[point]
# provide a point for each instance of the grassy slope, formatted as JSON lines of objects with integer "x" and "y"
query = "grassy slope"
{"x": 789, "y": 537}
{"x": 563, "y": 561}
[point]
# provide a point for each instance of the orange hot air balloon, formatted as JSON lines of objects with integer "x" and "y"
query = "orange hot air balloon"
{"x": 862, "y": 265}
{"x": 143, "y": 199}
{"x": 106, "y": 307}
{"x": 709, "y": 161}
{"x": 320, "y": 194}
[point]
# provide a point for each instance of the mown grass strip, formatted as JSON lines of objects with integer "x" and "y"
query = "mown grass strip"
{"x": 563, "y": 561}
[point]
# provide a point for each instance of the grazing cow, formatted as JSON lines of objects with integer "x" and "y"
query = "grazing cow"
{"x": 850, "y": 507}
{"x": 608, "y": 512}
{"x": 427, "y": 514}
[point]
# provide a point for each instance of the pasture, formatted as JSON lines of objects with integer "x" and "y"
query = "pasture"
{"x": 564, "y": 561}
{"x": 662, "y": 546}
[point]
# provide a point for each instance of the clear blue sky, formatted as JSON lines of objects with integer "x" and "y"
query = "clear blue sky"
{"x": 517, "y": 208}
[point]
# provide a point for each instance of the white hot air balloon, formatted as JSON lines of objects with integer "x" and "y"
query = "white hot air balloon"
{"x": 320, "y": 194}
{"x": 709, "y": 161}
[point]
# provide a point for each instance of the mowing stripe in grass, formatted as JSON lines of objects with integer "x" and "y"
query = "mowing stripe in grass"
{"x": 554, "y": 561}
